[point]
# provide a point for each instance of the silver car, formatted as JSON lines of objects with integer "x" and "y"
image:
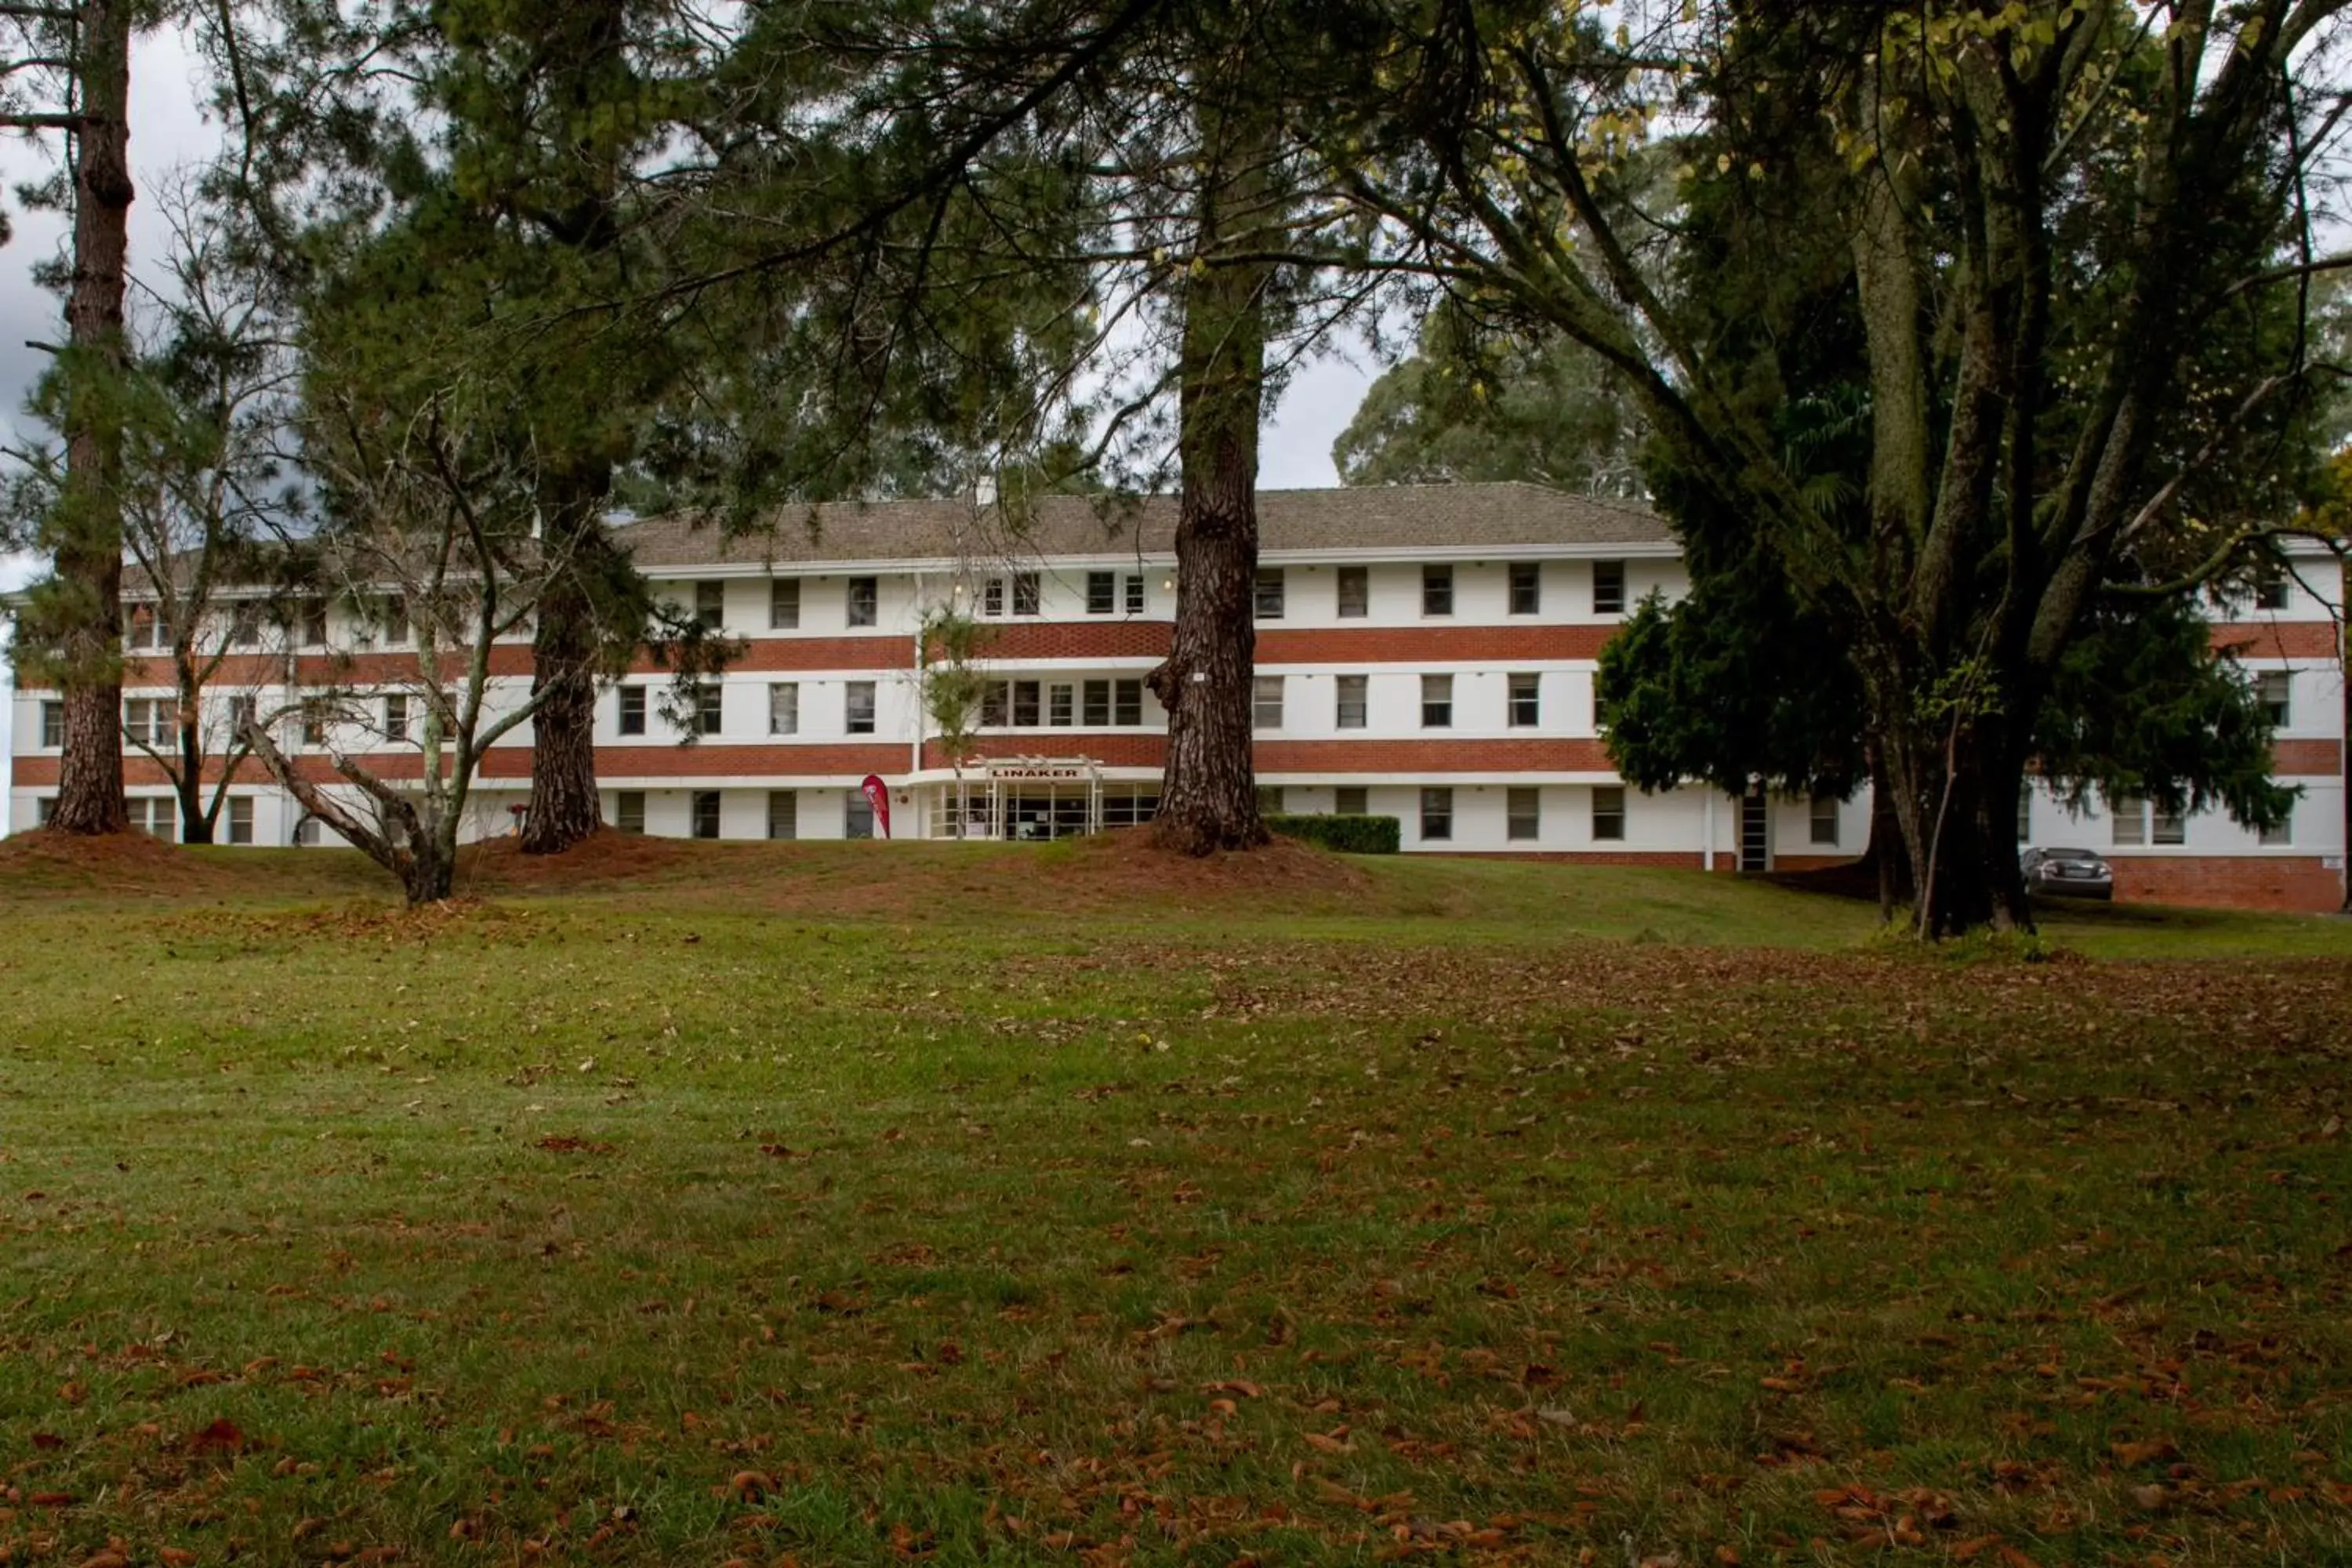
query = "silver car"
{"x": 2067, "y": 874}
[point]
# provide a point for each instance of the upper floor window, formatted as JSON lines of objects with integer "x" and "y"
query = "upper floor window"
{"x": 314, "y": 723}
{"x": 150, "y": 721}
{"x": 1028, "y": 593}
{"x": 1102, "y": 593}
{"x": 1104, "y": 704}
{"x": 2275, "y": 691}
{"x": 865, "y": 605}
{"x": 1266, "y": 703}
{"x": 1355, "y": 593}
{"x": 1437, "y": 701}
{"x": 1352, "y": 705}
{"x": 1267, "y": 594}
{"x": 710, "y": 606}
{"x": 1135, "y": 593}
{"x": 710, "y": 708}
{"x": 245, "y": 619}
{"x": 53, "y": 724}
{"x": 314, "y": 623}
{"x": 784, "y": 708}
{"x": 242, "y": 708}
{"x": 1437, "y": 590}
{"x": 632, "y": 701}
{"x": 396, "y": 716}
{"x": 1609, "y": 587}
{"x": 2271, "y": 591}
{"x": 1526, "y": 588}
{"x": 143, "y": 630}
{"x": 992, "y": 596}
{"x": 784, "y": 604}
{"x": 857, "y": 706}
{"x": 1527, "y": 701}
{"x": 392, "y": 621}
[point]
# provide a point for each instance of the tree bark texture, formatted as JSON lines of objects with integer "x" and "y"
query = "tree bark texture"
{"x": 567, "y": 649}
{"x": 88, "y": 555}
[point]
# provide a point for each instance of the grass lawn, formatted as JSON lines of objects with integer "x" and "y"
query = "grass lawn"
{"x": 865, "y": 1203}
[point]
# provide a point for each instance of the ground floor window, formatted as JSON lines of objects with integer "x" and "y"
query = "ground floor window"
{"x": 307, "y": 833}
{"x": 2282, "y": 833}
{"x": 858, "y": 815}
{"x": 1351, "y": 800}
{"x": 1523, "y": 809}
{"x": 1436, "y": 814}
{"x": 1609, "y": 814}
{"x": 629, "y": 811}
{"x": 1129, "y": 807}
{"x": 1826, "y": 819}
{"x": 784, "y": 813}
{"x": 240, "y": 819}
{"x": 706, "y": 813}
{"x": 1269, "y": 799}
{"x": 157, "y": 815}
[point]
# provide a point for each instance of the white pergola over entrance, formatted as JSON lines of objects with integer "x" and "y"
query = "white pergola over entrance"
{"x": 1027, "y": 799}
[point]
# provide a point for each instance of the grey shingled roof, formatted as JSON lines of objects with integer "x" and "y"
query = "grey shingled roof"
{"x": 1370, "y": 517}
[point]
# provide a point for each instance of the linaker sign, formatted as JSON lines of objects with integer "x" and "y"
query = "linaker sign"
{"x": 1038, "y": 771}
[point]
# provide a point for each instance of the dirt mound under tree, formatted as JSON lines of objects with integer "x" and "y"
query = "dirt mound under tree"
{"x": 129, "y": 862}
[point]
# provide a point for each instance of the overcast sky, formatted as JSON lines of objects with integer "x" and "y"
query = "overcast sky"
{"x": 168, "y": 132}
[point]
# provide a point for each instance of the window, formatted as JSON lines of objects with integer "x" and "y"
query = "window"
{"x": 150, "y": 721}
{"x": 395, "y": 717}
{"x": 240, "y": 819}
{"x": 1355, "y": 593}
{"x": 2271, "y": 591}
{"x": 1609, "y": 814}
{"x": 865, "y": 605}
{"x": 2129, "y": 815}
{"x": 1126, "y": 702}
{"x": 1267, "y": 594}
{"x": 1526, "y": 588}
{"x": 1823, "y": 823}
{"x": 1135, "y": 598}
{"x": 1437, "y": 590}
{"x": 1351, "y": 800}
{"x": 785, "y": 707}
{"x": 632, "y": 699}
{"x": 858, "y": 815}
{"x": 706, "y": 813}
{"x": 156, "y": 816}
{"x": 2275, "y": 689}
{"x": 392, "y": 621}
{"x": 1097, "y": 704}
{"x": 2282, "y": 833}
{"x": 710, "y": 708}
{"x": 45, "y": 809}
{"x": 1352, "y": 703}
{"x": 710, "y": 606}
{"x": 784, "y": 604}
{"x": 242, "y": 708}
{"x": 1269, "y": 800}
{"x": 1523, "y": 814}
{"x": 1061, "y": 706}
{"x": 1527, "y": 701}
{"x": 1102, "y": 593}
{"x": 143, "y": 629}
{"x": 1024, "y": 704}
{"x": 314, "y": 623}
{"x": 1028, "y": 593}
{"x": 1436, "y": 814}
{"x": 1265, "y": 701}
{"x": 1609, "y": 587}
{"x": 245, "y": 624}
{"x": 1437, "y": 701}
{"x": 53, "y": 724}
{"x": 784, "y": 813}
{"x": 992, "y": 596}
{"x": 857, "y": 706}
{"x": 2025, "y": 814}
{"x": 314, "y": 723}
{"x": 2168, "y": 827}
{"x": 308, "y": 833}
{"x": 629, "y": 811}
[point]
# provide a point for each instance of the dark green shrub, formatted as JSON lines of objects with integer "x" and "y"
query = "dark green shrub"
{"x": 1347, "y": 835}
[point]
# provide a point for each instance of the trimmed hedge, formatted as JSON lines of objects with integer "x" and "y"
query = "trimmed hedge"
{"x": 1348, "y": 835}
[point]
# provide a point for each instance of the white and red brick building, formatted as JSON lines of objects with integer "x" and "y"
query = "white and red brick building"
{"x": 1422, "y": 652}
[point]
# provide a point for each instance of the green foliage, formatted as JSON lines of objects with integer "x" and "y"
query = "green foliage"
{"x": 952, "y": 682}
{"x": 1345, "y": 835}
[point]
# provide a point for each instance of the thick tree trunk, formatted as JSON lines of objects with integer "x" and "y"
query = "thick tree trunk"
{"x": 88, "y": 555}
{"x": 567, "y": 648}
{"x": 195, "y": 823}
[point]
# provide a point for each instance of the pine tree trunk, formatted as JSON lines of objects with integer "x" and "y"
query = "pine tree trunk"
{"x": 1208, "y": 801}
{"x": 195, "y": 823}
{"x": 88, "y": 555}
{"x": 566, "y": 647}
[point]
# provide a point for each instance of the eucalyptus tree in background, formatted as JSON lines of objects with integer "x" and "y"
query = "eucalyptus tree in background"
{"x": 66, "y": 69}
{"x": 2077, "y": 238}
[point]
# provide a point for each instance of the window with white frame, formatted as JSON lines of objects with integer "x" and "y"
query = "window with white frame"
{"x": 1437, "y": 590}
{"x": 1525, "y": 701}
{"x": 1523, "y": 814}
{"x": 1526, "y": 588}
{"x": 244, "y": 620}
{"x": 240, "y": 819}
{"x": 1351, "y": 800}
{"x": 1265, "y": 701}
{"x": 710, "y": 708}
{"x": 1353, "y": 703}
{"x": 784, "y": 604}
{"x": 710, "y": 606}
{"x": 1061, "y": 705}
{"x": 629, "y": 811}
{"x": 1609, "y": 814}
{"x": 143, "y": 630}
{"x": 1609, "y": 587}
{"x": 2280, "y": 833}
{"x": 1436, "y": 815}
{"x": 1822, "y": 825}
{"x": 150, "y": 721}
{"x": 314, "y": 623}
{"x": 1355, "y": 593}
{"x": 2274, "y": 688}
{"x": 2025, "y": 814}
{"x": 308, "y": 833}
{"x": 1269, "y": 800}
{"x": 45, "y": 809}
{"x": 242, "y": 708}
{"x": 857, "y": 706}
{"x": 992, "y": 596}
{"x": 396, "y": 716}
{"x": 630, "y": 711}
{"x": 1028, "y": 593}
{"x": 2167, "y": 826}
{"x": 2127, "y": 819}
{"x": 784, "y": 708}
{"x": 392, "y": 623}
{"x": 314, "y": 721}
{"x": 704, "y": 818}
{"x": 1267, "y": 594}
{"x": 1437, "y": 701}
{"x": 156, "y": 816}
{"x": 2272, "y": 591}
{"x": 53, "y": 725}
{"x": 858, "y": 815}
{"x": 784, "y": 813}
{"x": 1102, "y": 593}
{"x": 864, "y": 601}
{"x": 1135, "y": 593}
